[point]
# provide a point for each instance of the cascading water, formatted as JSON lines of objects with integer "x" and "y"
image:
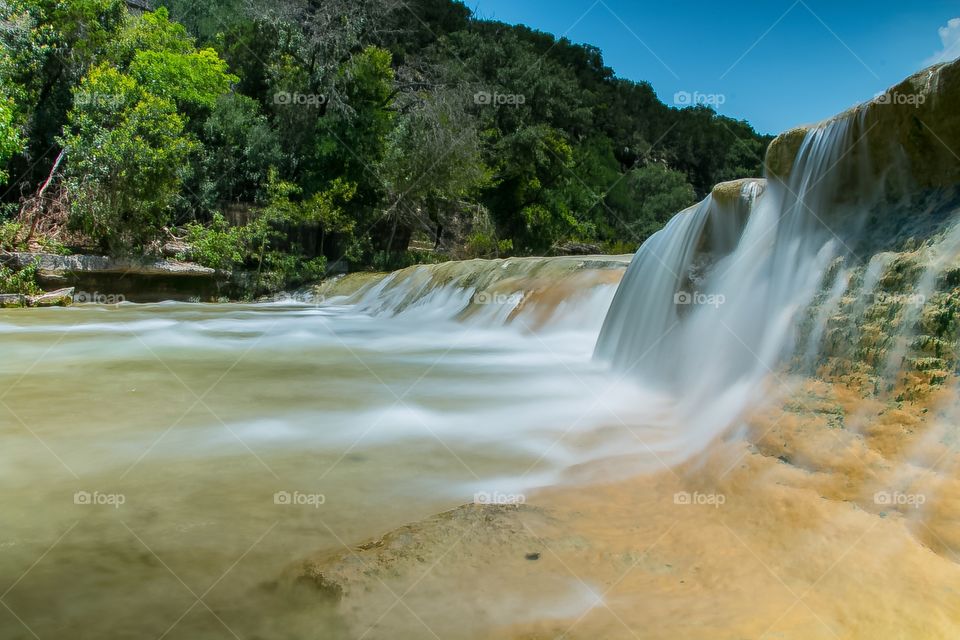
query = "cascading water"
{"x": 706, "y": 319}
{"x": 213, "y": 431}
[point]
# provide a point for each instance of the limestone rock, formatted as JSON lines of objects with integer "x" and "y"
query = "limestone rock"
{"x": 12, "y": 300}
{"x": 58, "y": 298}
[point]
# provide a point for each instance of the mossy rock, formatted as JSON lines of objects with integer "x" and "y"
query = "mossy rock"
{"x": 731, "y": 193}
{"x": 782, "y": 152}
{"x": 12, "y": 301}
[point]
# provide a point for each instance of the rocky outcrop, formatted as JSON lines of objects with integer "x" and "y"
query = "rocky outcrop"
{"x": 52, "y": 266}
{"x": 135, "y": 281}
{"x": 731, "y": 193}
{"x": 913, "y": 127}
{"x": 58, "y": 298}
{"x": 491, "y": 564}
{"x": 783, "y": 151}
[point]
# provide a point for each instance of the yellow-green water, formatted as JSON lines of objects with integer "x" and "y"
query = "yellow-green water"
{"x": 147, "y": 452}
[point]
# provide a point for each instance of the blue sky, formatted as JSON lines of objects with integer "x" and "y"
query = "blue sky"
{"x": 775, "y": 63}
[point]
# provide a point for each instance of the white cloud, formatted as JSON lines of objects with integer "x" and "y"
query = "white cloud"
{"x": 950, "y": 37}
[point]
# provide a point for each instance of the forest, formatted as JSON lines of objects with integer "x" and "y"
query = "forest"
{"x": 290, "y": 138}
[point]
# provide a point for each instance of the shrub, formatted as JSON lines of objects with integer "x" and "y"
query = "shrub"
{"x": 23, "y": 281}
{"x": 218, "y": 246}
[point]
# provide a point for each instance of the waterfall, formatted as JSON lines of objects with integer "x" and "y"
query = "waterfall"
{"x": 709, "y": 307}
{"x": 527, "y": 293}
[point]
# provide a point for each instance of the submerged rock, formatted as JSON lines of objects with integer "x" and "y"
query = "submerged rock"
{"x": 465, "y": 569}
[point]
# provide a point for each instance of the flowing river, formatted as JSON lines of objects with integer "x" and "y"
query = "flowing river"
{"x": 164, "y": 468}
{"x": 161, "y": 464}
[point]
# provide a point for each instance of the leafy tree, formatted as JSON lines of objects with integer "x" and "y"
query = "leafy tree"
{"x": 11, "y": 141}
{"x": 434, "y": 159}
{"x": 217, "y": 245}
{"x": 127, "y": 139}
{"x": 239, "y": 149}
{"x": 658, "y": 193}
{"x": 48, "y": 46}
{"x": 126, "y": 156}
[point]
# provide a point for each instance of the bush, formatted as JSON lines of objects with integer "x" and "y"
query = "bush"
{"x": 11, "y": 236}
{"x": 484, "y": 245}
{"x": 23, "y": 281}
{"x": 218, "y": 246}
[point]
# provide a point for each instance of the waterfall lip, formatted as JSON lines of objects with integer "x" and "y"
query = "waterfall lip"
{"x": 528, "y": 292}
{"x": 759, "y": 250}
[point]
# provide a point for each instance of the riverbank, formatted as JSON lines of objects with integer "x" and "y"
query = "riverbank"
{"x": 810, "y": 528}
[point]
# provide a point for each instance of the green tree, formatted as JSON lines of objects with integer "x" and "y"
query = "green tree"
{"x": 434, "y": 159}
{"x": 11, "y": 141}
{"x": 658, "y": 193}
{"x": 127, "y": 140}
{"x": 239, "y": 149}
{"x": 47, "y": 47}
{"x": 126, "y": 150}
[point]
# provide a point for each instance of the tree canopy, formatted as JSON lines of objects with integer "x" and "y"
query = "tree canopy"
{"x": 344, "y": 129}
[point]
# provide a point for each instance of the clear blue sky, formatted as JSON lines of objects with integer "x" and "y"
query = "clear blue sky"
{"x": 776, "y": 63}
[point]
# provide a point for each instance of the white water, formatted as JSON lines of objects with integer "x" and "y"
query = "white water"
{"x": 197, "y": 415}
{"x": 426, "y": 389}
{"x": 709, "y": 333}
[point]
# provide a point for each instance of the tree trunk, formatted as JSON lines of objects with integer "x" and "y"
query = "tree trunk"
{"x": 38, "y": 204}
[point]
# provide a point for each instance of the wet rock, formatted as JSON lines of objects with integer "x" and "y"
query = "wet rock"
{"x": 782, "y": 152}
{"x": 12, "y": 300}
{"x": 58, "y": 298}
{"x": 914, "y": 127}
{"x": 730, "y": 193}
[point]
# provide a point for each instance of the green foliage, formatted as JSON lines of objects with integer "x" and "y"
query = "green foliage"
{"x": 239, "y": 149}
{"x": 218, "y": 246}
{"x": 280, "y": 263}
{"x": 657, "y": 193}
{"x": 11, "y": 236}
{"x": 11, "y": 141}
{"x": 484, "y": 245}
{"x": 195, "y": 79}
{"x": 351, "y": 138}
{"x": 125, "y": 161}
{"x": 47, "y": 47}
{"x": 345, "y": 128}
{"x": 126, "y": 136}
{"x": 23, "y": 281}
